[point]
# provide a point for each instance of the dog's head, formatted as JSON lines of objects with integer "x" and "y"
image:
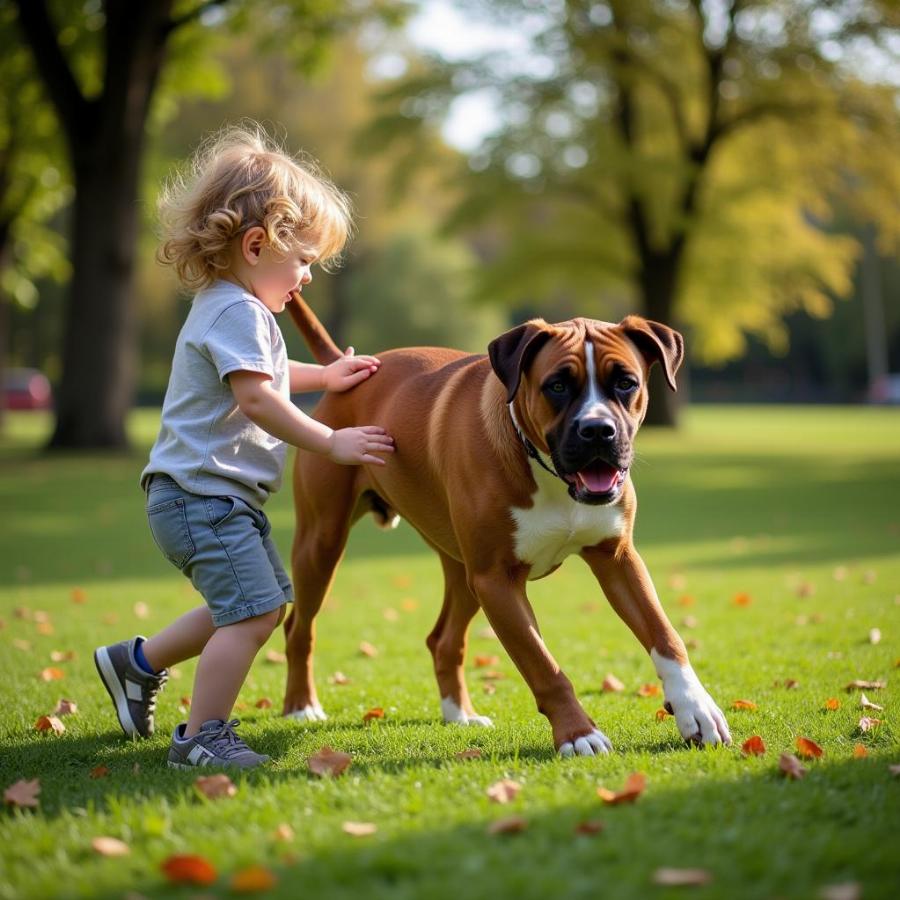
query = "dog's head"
{"x": 579, "y": 391}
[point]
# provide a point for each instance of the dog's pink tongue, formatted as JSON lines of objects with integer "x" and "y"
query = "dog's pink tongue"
{"x": 599, "y": 478}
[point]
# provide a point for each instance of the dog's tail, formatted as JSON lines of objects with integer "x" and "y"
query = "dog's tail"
{"x": 317, "y": 338}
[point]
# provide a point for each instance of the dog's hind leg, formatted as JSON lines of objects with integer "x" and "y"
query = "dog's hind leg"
{"x": 447, "y": 643}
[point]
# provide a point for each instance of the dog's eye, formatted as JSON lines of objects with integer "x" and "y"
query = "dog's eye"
{"x": 556, "y": 387}
{"x": 626, "y": 384}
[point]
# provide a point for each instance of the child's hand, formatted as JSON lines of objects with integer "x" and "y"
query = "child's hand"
{"x": 352, "y": 446}
{"x": 349, "y": 370}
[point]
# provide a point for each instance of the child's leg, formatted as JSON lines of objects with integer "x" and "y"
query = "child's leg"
{"x": 224, "y": 663}
{"x": 184, "y": 639}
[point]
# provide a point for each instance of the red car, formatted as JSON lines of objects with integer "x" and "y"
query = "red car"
{"x": 26, "y": 389}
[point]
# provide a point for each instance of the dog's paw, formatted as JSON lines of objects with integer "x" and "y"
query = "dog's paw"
{"x": 310, "y": 713}
{"x": 453, "y": 715}
{"x": 594, "y": 744}
{"x": 698, "y": 718}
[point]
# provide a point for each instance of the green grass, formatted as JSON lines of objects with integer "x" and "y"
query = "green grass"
{"x": 742, "y": 500}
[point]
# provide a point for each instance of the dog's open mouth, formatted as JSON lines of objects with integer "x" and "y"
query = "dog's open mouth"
{"x": 598, "y": 481}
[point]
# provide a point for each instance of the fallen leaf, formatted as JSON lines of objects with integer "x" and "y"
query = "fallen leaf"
{"x": 791, "y": 683}
{"x": 402, "y": 581}
{"x": 110, "y": 618}
{"x": 23, "y": 793}
{"x": 662, "y": 714}
{"x": 188, "y": 869}
{"x": 275, "y": 656}
{"x": 634, "y": 787}
{"x": 328, "y": 763}
{"x": 860, "y": 751}
{"x": 44, "y": 628}
{"x": 367, "y": 649}
{"x": 409, "y": 604}
{"x": 847, "y": 890}
{"x": 99, "y": 772}
{"x": 648, "y": 690}
{"x": 867, "y": 724}
{"x": 483, "y": 662}
{"x": 743, "y": 704}
{"x": 681, "y": 877}
{"x": 141, "y": 610}
{"x": 489, "y": 688}
{"x": 805, "y": 589}
{"x": 23, "y": 612}
{"x": 840, "y": 573}
{"x": 375, "y": 713}
{"x": 62, "y": 655}
{"x": 492, "y": 675}
{"x": 65, "y": 708}
{"x": 263, "y": 703}
{"x": 861, "y": 685}
{"x": 686, "y": 600}
{"x": 589, "y": 826}
{"x": 253, "y": 879}
{"x": 611, "y": 684}
{"x": 78, "y": 596}
{"x": 50, "y": 723}
{"x": 504, "y": 791}
{"x": 284, "y": 832}
{"x": 742, "y": 599}
{"x": 110, "y": 846}
{"x": 874, "y": 635}
{"x": 866, "y": 703}
{"x": 51, "y": 673}
{"x": 214, "y": 787}
{"x": 677, "y": 581}
{"x": 808, "y": 748}
{"x": 470, "y": 753}
{"x": 509, "y": 825}
{"x": 753, "y": 746}
{"x": 390, "y": 614}
{"x": 869, "y": 577}
{"x": 690, "y": 622}
{"x": 359, "y": 829}
{"x": 790, "y": 765}
{"x": 338, "y": 678}
{"x": 41, "y": 616}
{"x": 832, "y": 703}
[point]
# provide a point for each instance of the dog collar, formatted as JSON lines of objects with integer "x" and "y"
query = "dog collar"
{"x": 530, "y": 449}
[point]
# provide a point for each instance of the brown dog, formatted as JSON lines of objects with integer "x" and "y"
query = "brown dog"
{"x": 505, "y": 465}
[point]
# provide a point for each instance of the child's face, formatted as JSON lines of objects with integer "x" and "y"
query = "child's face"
{"x": 274, "y": 277}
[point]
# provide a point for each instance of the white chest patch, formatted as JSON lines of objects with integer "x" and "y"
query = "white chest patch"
{"x": 556, "y": 526}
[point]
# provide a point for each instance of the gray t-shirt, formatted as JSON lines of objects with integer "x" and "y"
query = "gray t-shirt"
{"x": 205, "y": 442}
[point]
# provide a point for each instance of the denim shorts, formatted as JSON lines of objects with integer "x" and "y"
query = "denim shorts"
{"x": 223, "y": 545}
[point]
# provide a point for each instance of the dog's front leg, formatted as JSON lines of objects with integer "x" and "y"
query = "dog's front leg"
{"x": 629, "y": 589}
{"x": 503, "y": 599}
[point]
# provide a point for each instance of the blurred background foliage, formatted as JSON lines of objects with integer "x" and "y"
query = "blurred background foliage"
{"x": 731, "y": 167}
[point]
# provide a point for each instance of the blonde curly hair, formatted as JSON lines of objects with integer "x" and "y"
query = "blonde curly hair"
{"x": 240, "y": 177}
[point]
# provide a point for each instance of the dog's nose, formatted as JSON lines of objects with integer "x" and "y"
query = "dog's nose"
{"x": 597, "y": 428}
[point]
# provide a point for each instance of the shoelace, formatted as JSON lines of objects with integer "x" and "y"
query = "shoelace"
{"x": 226, "y": 743}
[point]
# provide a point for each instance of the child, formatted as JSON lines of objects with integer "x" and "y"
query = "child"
{"x": 243, "y": 229}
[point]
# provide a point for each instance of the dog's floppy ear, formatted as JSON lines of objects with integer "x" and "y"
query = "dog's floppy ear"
{"x": 657, "y": 343}
{"x": 513, "y": 351}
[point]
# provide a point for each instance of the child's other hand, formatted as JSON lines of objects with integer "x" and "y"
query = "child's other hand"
{"x": 352, "y": 446}
{"x": 349, "y": 370}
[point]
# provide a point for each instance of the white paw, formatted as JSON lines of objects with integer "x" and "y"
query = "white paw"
{"x": 311, "y": 713}
{"x": 698, "y": 718}
{"x": 453, "y": 715}
{"x": 594, "y": 744}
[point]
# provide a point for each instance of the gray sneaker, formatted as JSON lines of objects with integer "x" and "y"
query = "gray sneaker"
{"x": 215, "y": 744}
{"x": 133, "y": 690}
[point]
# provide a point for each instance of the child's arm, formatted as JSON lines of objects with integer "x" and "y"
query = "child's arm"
{"x": 275, "y": 414}
{"x": 341, "y": 375}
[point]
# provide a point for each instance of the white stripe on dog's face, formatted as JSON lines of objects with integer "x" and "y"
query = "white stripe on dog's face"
{"x": 594, "y": 404}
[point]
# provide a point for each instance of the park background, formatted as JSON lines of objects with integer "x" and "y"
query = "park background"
{"x": 730, "y": 167}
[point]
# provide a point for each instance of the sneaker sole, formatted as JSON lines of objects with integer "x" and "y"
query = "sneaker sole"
{"x": 113, "y": 686}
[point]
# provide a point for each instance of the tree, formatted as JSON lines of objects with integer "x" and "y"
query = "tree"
{"x": 675, "y": 157}
{"x": 103, "y": 95}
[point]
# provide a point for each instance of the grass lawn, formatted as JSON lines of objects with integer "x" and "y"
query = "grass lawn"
{"x": 799, "y": 509}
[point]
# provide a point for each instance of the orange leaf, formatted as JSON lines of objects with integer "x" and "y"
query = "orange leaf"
{"x": 263, "y": 703}
{"x": 509, "y": 825}
{"x": 504, "y": 791}
{"x": 253, "y": 879}
{"x": 663, "y": 714}
{"x": 743, "y": 704}
{"x": 470, "y": 753}
{"x": 215, "y": 787}
{"x": 23, "y": 793}
{"x": 99, "y": 772}
{"x": 329, "y": 763}
{"x": 45, "y": 628}
{"x": 742, "y": 599}
{"x": 589, "y": 826}
{"x": 686, "y": 600}
{"x": 867, "y": 724}
{"x": 753, "y": 746}
{"x": 832, "y": 703}
{"x": 367, "y": 649}
{"x": 52, "y": 674}
{"x": 50, "y": 723}
{"x": 681, "y": 877}
{"x": 809, "y": 749}
{"x": 648, "y": 690}
{"x": 860, "y": 751}
{"x": 359, "y": 829}
{"x": 65, "y": 708}
{"x": 189, "y": 869}
{"x": 611, "y": 684}
{"x": 484, "y": 662}
{"x": 110, "y": 846}
{"x": 634, "y": 787}
{"x": 790, "y": 765}
{"x": 375, "y": 713}
{"x": 410, "y": 604}
{"x": 78, "y": 595}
